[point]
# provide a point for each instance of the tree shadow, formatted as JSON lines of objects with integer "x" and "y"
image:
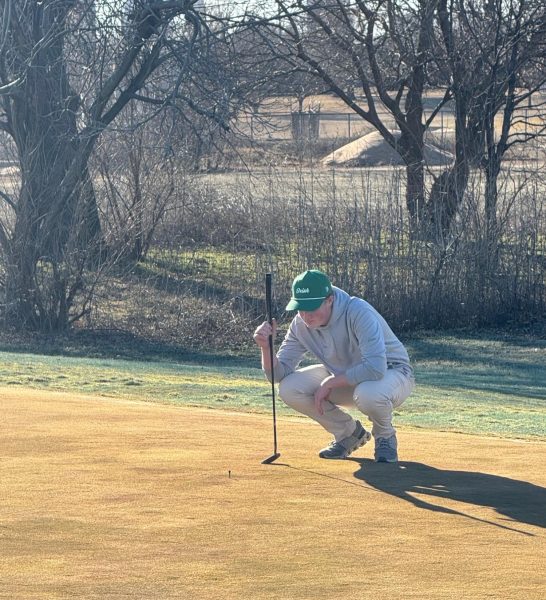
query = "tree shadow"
{"x": 119, "y": 344}
{"x": 517, "y": 501}
{"x": 507, "y": 370}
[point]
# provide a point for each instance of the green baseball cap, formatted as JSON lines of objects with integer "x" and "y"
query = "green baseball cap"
{"x": 309, "y": 291}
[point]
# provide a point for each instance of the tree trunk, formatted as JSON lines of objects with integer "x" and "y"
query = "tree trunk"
{"x": 411, "y": 148}
{"x": 449, "y": 187}
{"x": 491, "y": 195}
{"x": 415, "y": 199}
{"x": 56, "y": 223}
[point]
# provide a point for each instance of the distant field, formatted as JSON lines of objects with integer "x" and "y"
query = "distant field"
{"x": 362, "y": 187}
{"x": 285, "y": 185}
{"x": 483, "y": 385}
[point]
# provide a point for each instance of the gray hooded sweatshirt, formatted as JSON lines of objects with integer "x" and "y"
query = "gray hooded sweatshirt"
{"x": 356, "y": 341}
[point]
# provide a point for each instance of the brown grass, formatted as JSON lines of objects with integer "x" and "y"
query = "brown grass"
{"x": 104, "y": 498}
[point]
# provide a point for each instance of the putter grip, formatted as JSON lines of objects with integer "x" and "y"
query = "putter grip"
{"x": 268, "y": 300}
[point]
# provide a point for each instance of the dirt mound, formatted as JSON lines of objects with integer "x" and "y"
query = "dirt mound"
{"x": 372, "y": 150}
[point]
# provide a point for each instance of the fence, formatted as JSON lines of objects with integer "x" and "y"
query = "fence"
{"x": 313, "y": 125}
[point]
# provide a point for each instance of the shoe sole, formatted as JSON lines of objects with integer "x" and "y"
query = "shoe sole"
{"x": 386, "y": 460}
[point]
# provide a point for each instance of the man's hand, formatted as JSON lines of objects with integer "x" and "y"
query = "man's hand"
{"x": 327, "y": 385}
{"x": 322, "y": 394}
{"x": 262, "y": 333}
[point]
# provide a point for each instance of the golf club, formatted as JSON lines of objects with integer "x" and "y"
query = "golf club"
{"x": 268, "y": 304}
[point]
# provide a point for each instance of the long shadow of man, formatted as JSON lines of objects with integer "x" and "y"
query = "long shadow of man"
{"x": 518, "y": 501}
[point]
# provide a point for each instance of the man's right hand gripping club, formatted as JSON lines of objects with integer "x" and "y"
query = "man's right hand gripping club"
{"x": 261, "y": 337}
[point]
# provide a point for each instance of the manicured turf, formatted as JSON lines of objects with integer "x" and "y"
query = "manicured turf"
{"x": 115, "y": 498}
{"x": 484, "y": 385}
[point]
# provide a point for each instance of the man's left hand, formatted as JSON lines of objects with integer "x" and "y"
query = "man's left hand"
{"x": 322, "y": 394}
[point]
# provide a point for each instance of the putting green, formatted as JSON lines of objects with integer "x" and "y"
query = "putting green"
{"x": 104, "y": 498}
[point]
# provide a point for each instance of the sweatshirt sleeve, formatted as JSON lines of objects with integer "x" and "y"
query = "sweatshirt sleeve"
{"x": 289, "y": 355}
{"x": 371, "y": 342}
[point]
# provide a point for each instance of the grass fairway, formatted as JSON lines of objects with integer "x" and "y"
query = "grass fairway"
{"x": 493, "y": 385}
{"x": 113, "y": 498}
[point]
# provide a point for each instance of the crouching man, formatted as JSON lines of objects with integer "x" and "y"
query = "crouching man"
{"x": 361, "y": 363}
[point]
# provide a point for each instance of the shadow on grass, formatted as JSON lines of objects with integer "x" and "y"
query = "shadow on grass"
{"x": 493, "y": 363}
{"x": 179, "y": 286}
{"x": 179, "y": 282}
{"x": 517, "y": 501}
{"x": 118, "y": 345}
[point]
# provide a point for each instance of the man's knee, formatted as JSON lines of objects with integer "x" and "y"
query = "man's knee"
{"x": 371, "y": 399}
{"x": 291, "y": 390}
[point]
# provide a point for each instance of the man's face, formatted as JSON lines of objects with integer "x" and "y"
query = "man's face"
{"x": 320, "y": 316}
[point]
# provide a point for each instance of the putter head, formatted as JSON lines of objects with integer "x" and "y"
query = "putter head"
{"x": 270, "y": 459}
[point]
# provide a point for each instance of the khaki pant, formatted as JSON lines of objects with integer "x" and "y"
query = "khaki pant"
{"x": 376, "y": 399}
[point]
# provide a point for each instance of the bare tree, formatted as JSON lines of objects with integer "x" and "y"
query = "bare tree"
{"x": 487, "y": 57}
{"x": 493, "y": 56}
{"x": 385, "y": 48}
{"x": 68, "y": 68}
{"x": 136, "y": 175}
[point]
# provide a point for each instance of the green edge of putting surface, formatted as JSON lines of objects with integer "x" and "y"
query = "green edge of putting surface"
{"x": 482, "y": 400}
